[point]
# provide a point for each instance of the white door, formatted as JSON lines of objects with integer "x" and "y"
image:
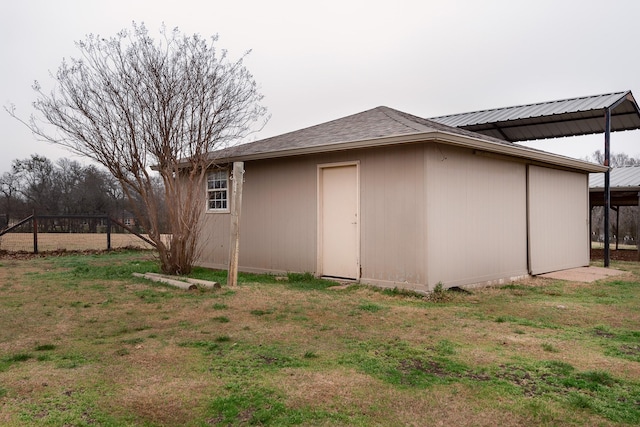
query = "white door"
{"x": 339, "y": 222}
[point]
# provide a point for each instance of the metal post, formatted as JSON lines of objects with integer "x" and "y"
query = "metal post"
{"x": 108, "y": 233}
{"x": 607, "y": 190}
{"x": 617, "y": 209}
{"x": 590, "y": 227}
{"x": 35, "y": 233}
{"x": 638, "y": 228}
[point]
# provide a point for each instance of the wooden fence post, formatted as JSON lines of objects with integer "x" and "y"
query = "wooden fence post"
{"x": 236, "y": 209}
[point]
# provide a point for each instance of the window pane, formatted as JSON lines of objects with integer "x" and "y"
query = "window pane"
{"x": 217, "y": 190}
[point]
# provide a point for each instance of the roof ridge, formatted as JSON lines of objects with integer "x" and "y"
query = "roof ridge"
{"x": 396, "y": 115}
{"x": 441, "y": 127}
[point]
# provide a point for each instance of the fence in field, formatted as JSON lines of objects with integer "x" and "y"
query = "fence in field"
{"x": 44, "y": 233}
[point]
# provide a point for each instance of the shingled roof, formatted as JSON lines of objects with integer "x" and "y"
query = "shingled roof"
{"x": 382, "y": 126}
{"x": 379, "y": 122}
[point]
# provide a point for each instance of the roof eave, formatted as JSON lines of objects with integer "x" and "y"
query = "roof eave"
{"x": 439, "y": 136}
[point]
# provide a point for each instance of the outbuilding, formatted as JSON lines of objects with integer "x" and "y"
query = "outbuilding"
{"x": 390, "y": 199}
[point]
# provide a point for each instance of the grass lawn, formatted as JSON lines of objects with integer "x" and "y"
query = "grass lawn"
{"x": 84, "y": 343}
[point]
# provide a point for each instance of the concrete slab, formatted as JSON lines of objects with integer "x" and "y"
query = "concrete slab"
{"x": 583, "y": 274}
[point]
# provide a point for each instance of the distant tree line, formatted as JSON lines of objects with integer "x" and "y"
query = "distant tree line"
{"x": 65, "y": 187}
{"x": 625, "y": 230}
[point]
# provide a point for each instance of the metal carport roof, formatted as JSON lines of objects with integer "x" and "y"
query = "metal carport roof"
{"x": 624, "y": 183}
{"x": 627, "y": 177}
{"x": 567, "y": 117}
{"x": 624, "y": 191}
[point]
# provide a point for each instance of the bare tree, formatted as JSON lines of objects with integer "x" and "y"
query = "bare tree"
{"x": 37, "y": 183}
{"x": 132, "y": 103}
{"x": 624, "y": 225}
{"x": 63, "y": 187}
{"x": 9, "y": 189}
{"x": 616, "y": 160}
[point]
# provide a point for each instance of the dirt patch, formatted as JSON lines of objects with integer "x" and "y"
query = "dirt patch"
{"x": 331, "y": 388}
{"x": 583, "y": 274}
{"x": 601, "y": 333}
{"x": 630, "y": 350}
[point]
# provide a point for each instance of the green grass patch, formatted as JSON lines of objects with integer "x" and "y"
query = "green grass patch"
{"x": 7, "y": 361}
{"x": 400, "y": 363}
{"x": 370, "y": 307}
{"x": 261, "y": 312}
{"x": 523, "y": 321}
{"x": 252, "y": 405}
{"x": 18, "y": 357}
{"x": 45, "y": 347}
{"x": 133, "y": 341}
{"x": 307, "y": 281}
{"x": 283, "y": 351}
{"x": 399, "y": 292}
{"x": 620, "y": 343}
{"x": 208, "y": 346}
{"x": 153, "y": 296}
{"x": 550, "y": 348}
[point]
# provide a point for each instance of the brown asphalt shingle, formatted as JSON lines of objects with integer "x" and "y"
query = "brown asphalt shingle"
{"x": 379, "y": 122}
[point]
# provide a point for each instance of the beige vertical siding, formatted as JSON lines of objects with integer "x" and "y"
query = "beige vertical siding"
{"x": 429, "y": 213}
{"x": 393, "y": 233}
{"x": 278, "y": 220}
{"x": 213, "y": 240}
{"x": 278, "y": 229}
{"x": 476, "y": 217}
{"x": 558, "y": 219}
{"x": 278, "y": 223}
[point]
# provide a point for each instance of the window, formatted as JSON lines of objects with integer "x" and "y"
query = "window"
{"x": 217, "y": 190}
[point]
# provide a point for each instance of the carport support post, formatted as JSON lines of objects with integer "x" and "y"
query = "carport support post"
{"x": 607, "y": 190}
{"x": 638, "y": 228}
{"x": 236, "y": 208}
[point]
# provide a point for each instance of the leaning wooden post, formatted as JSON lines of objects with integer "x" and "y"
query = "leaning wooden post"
{"x": 236, "y": 208}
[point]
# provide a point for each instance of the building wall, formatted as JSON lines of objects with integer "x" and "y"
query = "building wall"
{"x": 278, "y": 228}
{"x": 476, "y": 214}
{"x": 393, "y": 229}
{"x": 430, "y": 213}
{"x": 277, "y": 223}
{"x": 558, "y": 219}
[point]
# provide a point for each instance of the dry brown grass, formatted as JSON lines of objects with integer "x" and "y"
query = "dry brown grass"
{"x": 131, "y": 352}
{"x": 70, "y": 241}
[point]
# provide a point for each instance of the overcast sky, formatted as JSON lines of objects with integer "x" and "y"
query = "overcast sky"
{"x": 322, "y": 60}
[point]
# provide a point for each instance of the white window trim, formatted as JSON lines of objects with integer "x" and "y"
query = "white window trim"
{"x": 227, "y": 189}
